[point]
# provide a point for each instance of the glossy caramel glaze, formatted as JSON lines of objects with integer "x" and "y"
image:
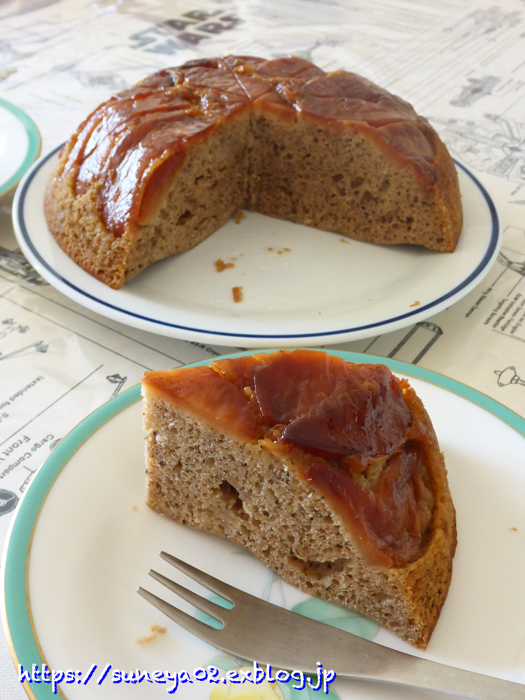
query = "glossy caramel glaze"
{"x": 133, "y": 144}
{"x": 344, "y": 427}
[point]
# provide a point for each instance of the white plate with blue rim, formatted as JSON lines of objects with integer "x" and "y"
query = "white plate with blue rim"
{"x": 298, "y": 285}
{"x": 19, "y": 145}
{"x": 83, "y": 540}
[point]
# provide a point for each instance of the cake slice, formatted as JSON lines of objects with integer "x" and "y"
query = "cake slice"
{"x": 329, "y": 472}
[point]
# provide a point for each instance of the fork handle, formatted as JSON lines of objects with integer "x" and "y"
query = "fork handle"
{"x": 353, "y": 657}
{"x": 427, "y": 675}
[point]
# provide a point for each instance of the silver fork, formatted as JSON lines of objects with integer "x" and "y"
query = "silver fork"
{"x": 264, "y": 633}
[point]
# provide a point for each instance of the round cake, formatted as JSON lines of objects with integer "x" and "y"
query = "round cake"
{"x": 158, "y": 168}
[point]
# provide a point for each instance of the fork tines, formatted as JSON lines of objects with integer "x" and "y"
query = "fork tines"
{"x": 200, "y": 629}
{"x": 266, "y": 634}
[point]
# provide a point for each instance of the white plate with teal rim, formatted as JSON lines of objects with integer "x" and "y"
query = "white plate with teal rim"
{"x": 19, "y": 145}
{"x": 83, "y": 540}
{"x": 299, "y": 285}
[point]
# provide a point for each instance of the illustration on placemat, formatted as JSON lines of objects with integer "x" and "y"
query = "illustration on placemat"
{"x": 39, "y": 346}
{"x": 515, "y": 265}
{"x": 118, "y": 381}
{"x": 495, "y": 144}
{"x": 508, "y": 376}
{"x": 506, "y": 314}
{"x": 407, "y": 345}
{"x": 475, "y": 90}
{"x": 14, "y": 262}
{"x": 11, "y": 326}
{"x": 187, "y": 29}
{"x": 31, "y": 472}
{"x": 8, "y": 501}
{"x": 106, "y": 79}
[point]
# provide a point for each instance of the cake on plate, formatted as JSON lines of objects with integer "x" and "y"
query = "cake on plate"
{"x": 327, "y": 471}
{"x": 159, "y": 167}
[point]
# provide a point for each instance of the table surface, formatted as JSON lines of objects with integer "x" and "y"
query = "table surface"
{"x": 459, "y": 62}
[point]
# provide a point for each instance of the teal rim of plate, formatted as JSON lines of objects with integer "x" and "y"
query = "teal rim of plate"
{"x": 23, "y": 645}
{"x": 33, "y": 148}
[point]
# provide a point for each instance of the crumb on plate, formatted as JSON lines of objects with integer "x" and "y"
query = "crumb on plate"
{"x": 280, "y": 251}
{"x": 156, "y": 629}
{"x": 220, "y": 265}
{"x": 237, "y": 294}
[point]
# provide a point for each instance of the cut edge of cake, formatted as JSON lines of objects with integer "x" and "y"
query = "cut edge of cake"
{"x": 330, "y": 175}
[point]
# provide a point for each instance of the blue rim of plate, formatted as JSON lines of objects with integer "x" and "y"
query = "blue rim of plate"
{"x": 21, "y": 636}
{"x": 488, "y": 257}
{"x": 33, "y": 148}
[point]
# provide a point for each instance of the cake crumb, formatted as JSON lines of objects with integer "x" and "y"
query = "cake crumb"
{"x": 343, "y": 240}
{"x": 416, "y": 303}
{"x": 237, "y": 294}
{"x": 514, "y": 529}
{"x": 239, "y": 216}
{"x": 220, "y": 265}
{"x": 134, "y": 507}
{"x": 156, "y": 629}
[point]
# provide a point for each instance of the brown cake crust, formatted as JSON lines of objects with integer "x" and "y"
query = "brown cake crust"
{"x": 204, "y": 476}
{"x": 159, "y": 167}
